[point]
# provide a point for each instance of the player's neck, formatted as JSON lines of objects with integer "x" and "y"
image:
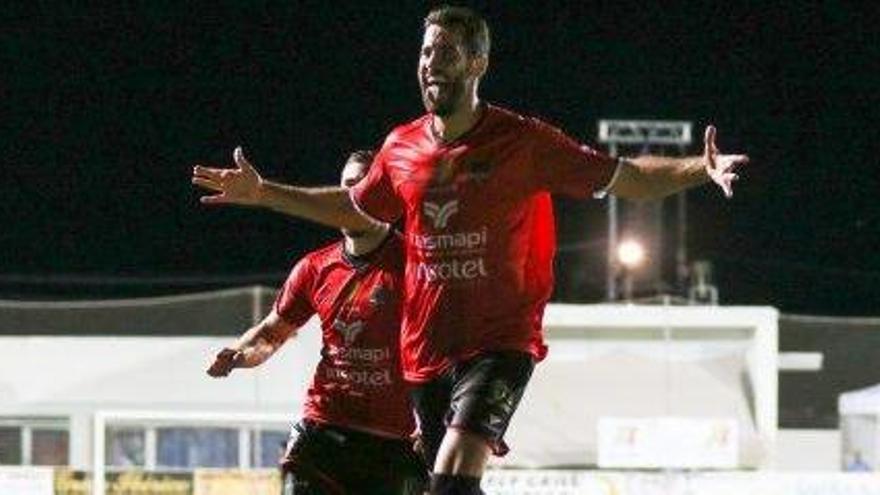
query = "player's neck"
{"x": 450, "y": 127}
{"x": 365, "y": 242}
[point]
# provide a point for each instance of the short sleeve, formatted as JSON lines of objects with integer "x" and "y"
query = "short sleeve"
{"x": 564, "y": 166}
{"x": 294, "y": 301}
{"x": 374, "y": 195}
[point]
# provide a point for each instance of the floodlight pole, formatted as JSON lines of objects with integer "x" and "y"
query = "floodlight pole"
{"x": 641, "y": 133}
{"x": 613, "y": 264}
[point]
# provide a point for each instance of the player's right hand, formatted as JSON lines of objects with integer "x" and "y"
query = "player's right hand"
{"x": 720, "y": 168}
{"x": 240, "y": 185}
{"x": 224, "y": 362}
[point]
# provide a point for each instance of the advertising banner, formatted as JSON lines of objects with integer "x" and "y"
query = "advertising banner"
{"x": 576, "y": 482}
{"x": 126, "y": 483}
{"x": 25, "y": 480}
{"x": 645, "y": 443}
{"x": 235, "y": 482}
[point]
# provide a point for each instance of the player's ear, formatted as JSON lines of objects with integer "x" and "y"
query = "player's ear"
{"x": 479, "y": 64}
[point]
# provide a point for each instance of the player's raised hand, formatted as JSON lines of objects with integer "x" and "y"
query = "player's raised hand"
{"x": 239, "y": 185}
{"x": 720, "y": 168}
{"x": 224, "y": 362}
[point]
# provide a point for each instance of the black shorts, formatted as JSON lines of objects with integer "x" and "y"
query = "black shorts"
{"x": 329, "y": 460}
{"x": 479, "y": 395}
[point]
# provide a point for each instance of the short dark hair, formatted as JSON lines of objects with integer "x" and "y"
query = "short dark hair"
{"x": 363, "y": 156}
{"x": 470, "y": 24}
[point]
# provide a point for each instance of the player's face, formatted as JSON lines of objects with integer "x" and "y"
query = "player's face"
{"x": 443, "y": 71}
{"x": 352, "y": 173}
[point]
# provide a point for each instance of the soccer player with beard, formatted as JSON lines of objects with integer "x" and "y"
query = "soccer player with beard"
{"x": 355, "y": 433}
{"x": 472, "y": 182}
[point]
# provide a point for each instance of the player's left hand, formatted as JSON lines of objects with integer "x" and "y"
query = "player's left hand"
{"x": 418, "y": 444}
{"x": 720, "y": 168}
{"x": 224, "y": 362}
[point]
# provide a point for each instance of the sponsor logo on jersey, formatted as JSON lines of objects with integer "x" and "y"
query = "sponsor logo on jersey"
{"x": 359, "y": 355}
{"x": 370, "y": 378}
{"x": 452, "y": 270}
{"x": 349, "y": 331}
{"x": 458, "y": 242}
{"x": 440, "y": 213}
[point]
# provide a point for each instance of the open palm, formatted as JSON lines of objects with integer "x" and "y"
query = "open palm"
{"x": 720, "y": 168}
{"x": 240, "y": 185}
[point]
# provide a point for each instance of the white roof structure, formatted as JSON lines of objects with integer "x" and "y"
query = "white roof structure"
{"x": 862, "y": 401}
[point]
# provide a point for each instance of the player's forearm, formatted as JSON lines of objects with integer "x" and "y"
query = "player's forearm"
{"x": 261, "y": 341}
{"x": 255, "y": 347}
{"x": 255, "y": 353}
{"x": 326, "y": 205}
{"x": 652, "y": 177}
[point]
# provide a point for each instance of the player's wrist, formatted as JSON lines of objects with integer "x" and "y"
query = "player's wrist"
{"x": 702, "y": 167}
{"x": 232, "y": 353}
{"x": 260, "y": 196}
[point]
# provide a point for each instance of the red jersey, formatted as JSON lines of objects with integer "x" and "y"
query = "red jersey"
{"x": 480, "y": 234}
{"x": 358, "y": 382}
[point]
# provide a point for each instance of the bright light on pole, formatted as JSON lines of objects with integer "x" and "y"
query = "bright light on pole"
{"x": 630, "y": 253}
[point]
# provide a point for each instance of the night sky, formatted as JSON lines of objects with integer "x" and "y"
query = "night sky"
{"x": 105, "y": 111}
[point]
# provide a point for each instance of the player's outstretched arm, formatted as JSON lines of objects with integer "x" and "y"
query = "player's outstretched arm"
{"x": 652, "y": 177}
{"x": 254, "y": 347}
{"x": 243, "y": 185}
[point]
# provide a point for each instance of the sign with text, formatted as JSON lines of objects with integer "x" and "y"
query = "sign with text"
{"x": 668, "y": 442}
{"x": 125, "y": 483}
{"x": 236, "y": 482}
{"x": 25, "y": 480}
{"x": 580, "y": 482}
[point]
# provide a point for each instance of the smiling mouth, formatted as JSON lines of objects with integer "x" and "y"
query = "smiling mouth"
{"x": 435, "y": 81}
{"x": 436, "y": 85}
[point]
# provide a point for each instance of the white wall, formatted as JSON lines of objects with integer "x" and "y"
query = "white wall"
{"x": 808, "y": 450}
{"x": 74, "y": 377}
{"x": 49, "y": 375}
{"x": 630, "y": 361}
{"x": 78, "y": 376}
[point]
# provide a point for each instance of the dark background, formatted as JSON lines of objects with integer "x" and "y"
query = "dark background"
{"x": 106, "y": 110}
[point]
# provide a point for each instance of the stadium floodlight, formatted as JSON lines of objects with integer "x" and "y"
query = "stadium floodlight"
{"x": 630, "y": 254}
{"x": 642, "y": 136}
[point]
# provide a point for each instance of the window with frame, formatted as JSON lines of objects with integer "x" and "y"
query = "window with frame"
{"x": 267, "y": 447}
{"x": 10, "y": 445}
{"x": 125, "y": 447}
{"x": 168, "y": 445}
{"x": 34, "y": 441}
{"x": 186, "y": 447}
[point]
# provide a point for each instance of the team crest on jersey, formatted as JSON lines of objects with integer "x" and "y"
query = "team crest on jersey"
{"x": 349, "y": 331}
{"x": 444, "y": 172}
{"x": 379, "y": 296}
{"x": 478, "y": 171}
{"x": 440, "y": 213}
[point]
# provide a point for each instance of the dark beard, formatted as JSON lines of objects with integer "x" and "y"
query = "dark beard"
{"x": 446, "y": 106}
